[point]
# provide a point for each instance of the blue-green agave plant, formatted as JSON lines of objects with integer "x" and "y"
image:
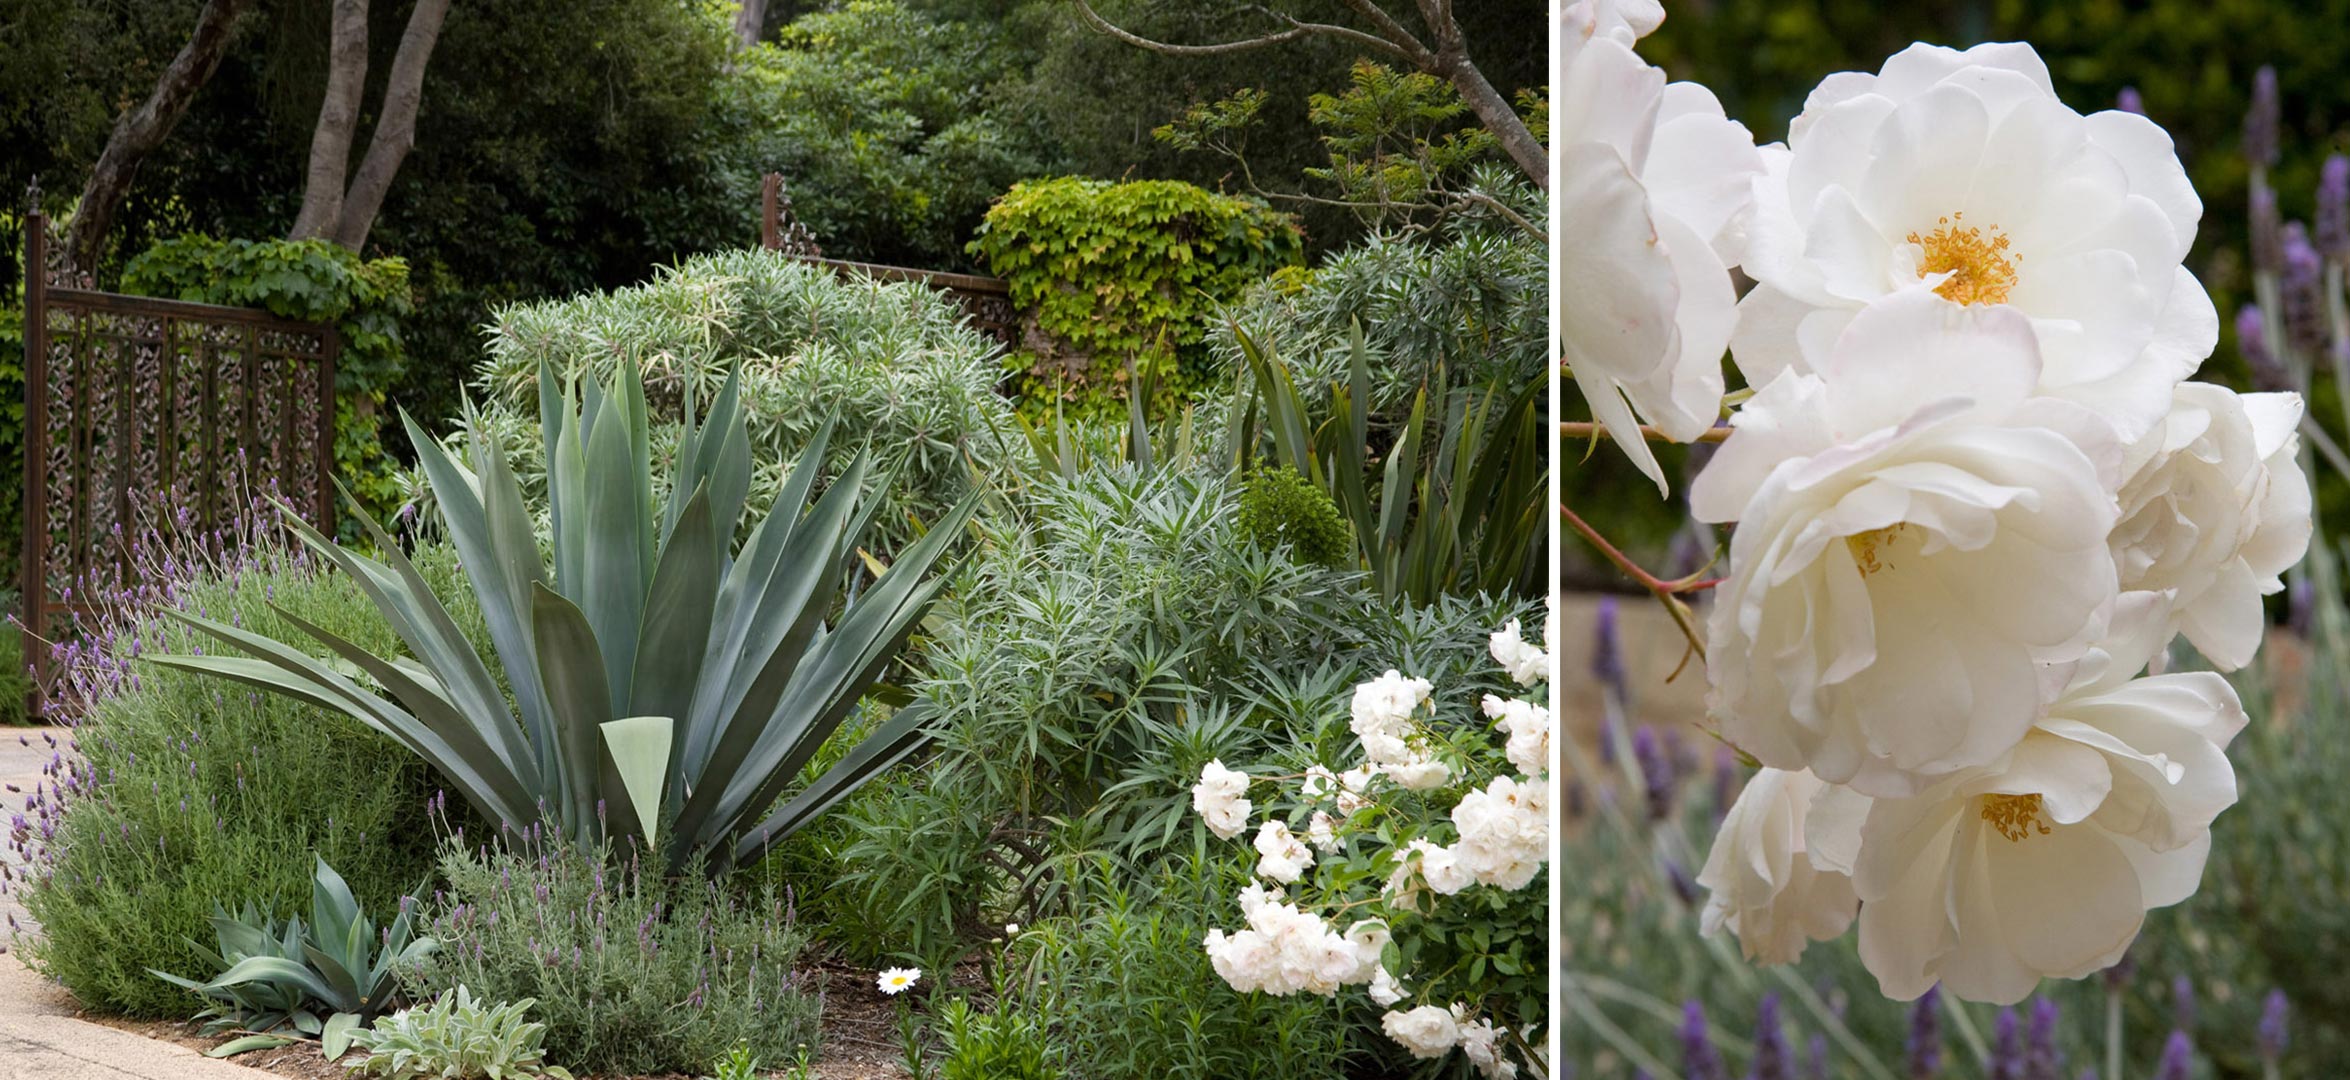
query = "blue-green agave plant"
{"x": 667, "y": 690}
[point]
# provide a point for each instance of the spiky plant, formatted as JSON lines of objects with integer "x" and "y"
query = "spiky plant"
{"x": 668, "y": 691}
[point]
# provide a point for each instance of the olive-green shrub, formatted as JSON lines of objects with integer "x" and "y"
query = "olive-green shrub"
{"x": 892, "y": 366}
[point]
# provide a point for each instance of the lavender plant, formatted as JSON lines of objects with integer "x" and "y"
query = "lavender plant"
{"x": 175, "y": 794}
{"x": 634, "y": 972}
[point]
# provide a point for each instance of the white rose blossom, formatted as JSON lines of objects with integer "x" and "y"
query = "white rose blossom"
{"x": 1419, "y": 770}
{"x": 1481, "y": 1044}
{"x": 1322, "y": 829}
{"x": 1526, "y": 662}
{"x": 1528, "y": 727}
{"x": 1963, "y": 173}
{"x": 1280, "y": 856}
{"x": 1428, "y": 1031}
{"x": 1286, "y": 950}
{"x": 1354, "y": 786}
{"x": 1654, "y": 191}
{"x": 2045, "y": 864}
{"x": 1219, "y": 798}
{"x": 1919, "y": 539}
{"x": 1385, "y": 988}
{"x": 1504, "y": 832}
{"x": 1761, "y": 881}
{"x": 1382, "y": 715}
{"x": 2214, "y": 510}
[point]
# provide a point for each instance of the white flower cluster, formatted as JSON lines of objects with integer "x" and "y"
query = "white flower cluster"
{"x": 1286, "y": 950}
{"x": 1975, "y": 498}
{"x": 1502, "y": 840}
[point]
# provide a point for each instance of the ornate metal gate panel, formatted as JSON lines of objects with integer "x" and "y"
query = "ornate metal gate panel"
{"x": 147, "y": 413}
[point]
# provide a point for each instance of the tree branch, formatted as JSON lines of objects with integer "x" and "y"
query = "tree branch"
{"x": 338, "y": 118}
{"x": 1394, "y": 32}
{"x": 1297, "y": 30}
{"x": 144, "y": 128}
{"x": 395, "y": 125}
{"x": 1583, "y": 429}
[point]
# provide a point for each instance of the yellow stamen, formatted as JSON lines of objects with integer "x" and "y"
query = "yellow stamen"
{"x": 1872, "y": 550}
{"x": 1982, "y": 269}
{"x": 2015, "y": 816}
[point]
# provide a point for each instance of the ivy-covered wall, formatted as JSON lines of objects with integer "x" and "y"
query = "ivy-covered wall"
{"x": 1110, "y": 275}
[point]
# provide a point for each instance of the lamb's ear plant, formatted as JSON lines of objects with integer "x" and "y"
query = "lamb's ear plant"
{"x": 322, "y": 980}
{"x": 455, "y": 1037}
{"x": 668, "y": 691}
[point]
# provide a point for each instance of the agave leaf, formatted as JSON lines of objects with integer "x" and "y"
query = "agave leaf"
{"x": 287, "y": 671}
{"x": 481, "y": 526}
{"x": 638, "y": 757}
{"x": 248, "y": 1044}
{"x": 573, "y": 668}
{"x": 675, "y": 637}
{"x": 335, "y": 1040}
{"x": 273, "y": 969}
{"x": 430, "y": 707}
{"x": 889, "y": 743}
{"x": 618, "y": 564}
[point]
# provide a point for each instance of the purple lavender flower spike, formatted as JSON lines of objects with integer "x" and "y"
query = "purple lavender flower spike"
{"x": 1699, "y": 1059}
{"x": 1656, "y": 772}
{"x": 2129, "y": 101}
{"x": 2007, "y": 1049}
{"x": 1816, "y": 1058}
{"x": 1772, "y": 1059}
{"x": 2178, "y": 1057}
{"x": 2302, "y": 290}
{"x": 2261, "y": 120}
{"x": 1607, "y": 655}
{"x": 1925, "y": 1035}
{"x": 2273, "y": 1034}
{"x": 2042, "y": 1059}
{"x": 2182, "y": 1003}
{"x": 2333, "y": 209}
{"x": 2252, "y": 341}
{"x": 2268, "y": 248}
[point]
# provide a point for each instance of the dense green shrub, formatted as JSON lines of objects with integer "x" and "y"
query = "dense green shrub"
{"x": 311, "y": 281}
{"x": 190, "y": 793}
{"x": 1124, "y": 276}
{"x": 1116, "y": 632}
{"x": 1280, "y": 506}
{"x": 633, "y": 972}
{"x": 1124, "y": 991}
{"x": 1463, "y": 307}
{"x": 879, "y": 116}
{"x": 890, "y": 364}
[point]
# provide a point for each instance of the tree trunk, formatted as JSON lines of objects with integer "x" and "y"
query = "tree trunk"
{"x": 144, "y": 128}
{"x": 750, "y": 21}
{"x": 1452, "y": 64}
{"x": 338, "y": 118}
{"x": 395, "y": 125}
{"x": 1494, "y": 111}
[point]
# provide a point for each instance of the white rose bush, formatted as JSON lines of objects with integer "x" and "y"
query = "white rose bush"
{"x": 1974, "y": 496}
{"x": 1413, "y": 878}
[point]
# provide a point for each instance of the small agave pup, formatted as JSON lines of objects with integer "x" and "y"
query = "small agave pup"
{"x": 668, "y": 691}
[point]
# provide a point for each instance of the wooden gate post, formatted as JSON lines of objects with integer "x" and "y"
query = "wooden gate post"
{"x": 32, "y": 535}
